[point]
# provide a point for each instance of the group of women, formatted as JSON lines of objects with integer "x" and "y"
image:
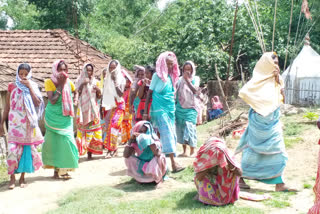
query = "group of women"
{"x": 151, "y": 114}
{"x": 114, "y": 110}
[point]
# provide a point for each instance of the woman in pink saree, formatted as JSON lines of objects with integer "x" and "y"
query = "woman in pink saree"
{"x": 143, "y": 155}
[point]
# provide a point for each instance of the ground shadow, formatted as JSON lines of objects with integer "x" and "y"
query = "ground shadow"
{"x": 119, "y": 173}
{"x": 94, "y": 157}
{"x": 133, "y": 186}
{"x": 4, "y": 185}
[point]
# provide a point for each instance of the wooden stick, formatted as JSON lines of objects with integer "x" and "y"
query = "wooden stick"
{"x": 222, "y": 92}
{"x": 286, "y": 58}
{"x": 274, "y": 23}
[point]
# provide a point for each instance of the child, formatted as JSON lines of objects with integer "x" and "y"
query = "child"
{"x": 23, "y": 110}
{"x": 217, "y": 108}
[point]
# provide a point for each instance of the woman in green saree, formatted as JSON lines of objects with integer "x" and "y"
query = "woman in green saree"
{"x": 59, "y": 149}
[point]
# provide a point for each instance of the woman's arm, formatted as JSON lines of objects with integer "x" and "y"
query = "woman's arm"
{"x": 5, "y": 113}
{"x": 119, "y": 92}
{"x": 53, "y": 98}
{"x": 141, "y": 90}
{"x": 201, "y": 175}
{"x": 192, "y": 88}
{"x": 35, "y": 99}
{"x": 149, "y": 96}
{"x": 128, "y": 151}
{"x": 155, "y": 150}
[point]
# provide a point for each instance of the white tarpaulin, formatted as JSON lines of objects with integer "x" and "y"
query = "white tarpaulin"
{"x": 302, "y": 78}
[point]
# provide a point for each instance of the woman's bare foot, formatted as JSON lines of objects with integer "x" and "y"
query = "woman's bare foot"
{"x": 22, "y": 181}
{"x": 55, "y": 175}
{"x": 283, "y": 188}
{"x": 114, "y": 153}
{"x": 108, "y": 155}
{"x": 183, "y": 155}
{"x": 192, "y": 153}
{"x": 12, "y": 184}
{"x": 243, "y": 184}
{"x": 66, "y": 176}
{"x": 89, "y": 155}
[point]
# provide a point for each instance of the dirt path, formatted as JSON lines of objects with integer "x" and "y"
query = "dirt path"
{"x": 43, "y": 192}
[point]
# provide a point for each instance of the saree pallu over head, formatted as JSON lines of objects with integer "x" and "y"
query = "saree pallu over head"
{"x": 67, "y": 103}
{"x": 89, "y": 110}
{"x": 33, "y": 113}
{"x": 162, "y": 68}
{"x": 110, "y": 94}
{"x": 216, "y": 103}
{"x": 262, "y": 92}
{"x": 213, "y": 153}
{"x": 186, "y": 97}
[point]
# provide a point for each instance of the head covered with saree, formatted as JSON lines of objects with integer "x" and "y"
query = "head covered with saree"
{"x": 138, "y": 68}
{"x": 262, "y": 92}
{"x": 109, "y": 88}
{"x": 162, "y": 69}
{"x": 67, "y": 103}
{"x": 216, "y": 103}
{"x": 186, "y": 97}
{"x": 213, "y": 153}
{"x": 33, "y": 113}
{"x": 87, "y": 101}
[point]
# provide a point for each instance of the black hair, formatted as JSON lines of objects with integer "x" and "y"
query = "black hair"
{"x": 150, "y": 68}
{"x": 61, "y": 63}
{"x": 90, "y": 66}
{"x": 274, "y": 56}
{"x": 24, "y": 66}
{"x": 187, "y": 63}
{"x": 113, "y": 61}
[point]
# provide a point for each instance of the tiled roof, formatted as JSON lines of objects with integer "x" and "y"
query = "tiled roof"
{"x": 40, "y": 48}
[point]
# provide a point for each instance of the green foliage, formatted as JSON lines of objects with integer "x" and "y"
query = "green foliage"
{"x": 3, "y": 21}
{"x": 307, "y": 186}
{"x": 23, "y": 14}
{"x": 312, "y": 116}
{"x": 291, "y": 141}
{"x": 3, "y": 171}
{"x": 102, "y": 199}
{"x": 186, "y": 175}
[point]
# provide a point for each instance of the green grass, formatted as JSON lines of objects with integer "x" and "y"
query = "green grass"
{"x": 3, "y": 172}
{"x": 307, "y": 186}
{"x": 184, "y": 176}
{"x": 279, "y": 200}
{"x": 291, "y": 141}
{"x": 102, "y": 199}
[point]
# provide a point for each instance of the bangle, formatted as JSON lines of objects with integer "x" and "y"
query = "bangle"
{"x": 59, "y": 92}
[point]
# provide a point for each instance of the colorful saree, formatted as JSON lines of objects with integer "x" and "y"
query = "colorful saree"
{"x": 89, "y": 132}
{"x": 114, "y": 106}
{"x": 23, "y": 139}
{"x": 145, "y": 167}
{"x": 220, "y": 186}
{"x": 127, "y": 118}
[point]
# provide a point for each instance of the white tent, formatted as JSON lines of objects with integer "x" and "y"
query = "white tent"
{"x": 302, "y": 78}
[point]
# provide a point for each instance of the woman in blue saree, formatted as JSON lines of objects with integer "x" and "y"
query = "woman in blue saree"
{"x": 162, "y": 91}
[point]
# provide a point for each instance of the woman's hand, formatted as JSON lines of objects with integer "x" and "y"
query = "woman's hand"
{"x": 187, "y": 76}
{"x": 145, "y": 117}
{"x": 26, "y": 83}
{"x": 62, "y": 80}
{"x": 201, "y": 175}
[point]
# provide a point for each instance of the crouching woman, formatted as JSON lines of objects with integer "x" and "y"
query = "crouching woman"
{"x": 143, "y": 157}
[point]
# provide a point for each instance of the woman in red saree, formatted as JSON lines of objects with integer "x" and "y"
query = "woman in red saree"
{"x": 217, "y": 174}
{"x": 127, "y": 118}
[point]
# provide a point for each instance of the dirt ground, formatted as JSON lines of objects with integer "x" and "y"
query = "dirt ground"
{"x": 43, "y": 192}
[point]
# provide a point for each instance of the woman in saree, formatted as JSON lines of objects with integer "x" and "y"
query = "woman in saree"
{"x": 127, "y": 118}
{"x": 134, "y": 98}
{"x": 89, "y": 133}
{"x": 216, "y": 109}
{"x": 315, "y": 209}
{"x": 144, "y": 85}
{"x": 143, "y": 157}
{"x": 263, "y": 150}
{"x": 24, "y": 108}
{"x": 114, "y": 106}
{"x": 217, "y": 174}
{"x": 162, "y": 112}
{"x": 187, "y": 107}
{"x": 59, "y": 151}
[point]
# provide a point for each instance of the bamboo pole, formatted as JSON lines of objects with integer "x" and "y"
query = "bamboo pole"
{"x": 222, "y": 92}
{"x": 232, "y": 41}
{"x": 274, "y": 23}
{"x": 288, "y": 42}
